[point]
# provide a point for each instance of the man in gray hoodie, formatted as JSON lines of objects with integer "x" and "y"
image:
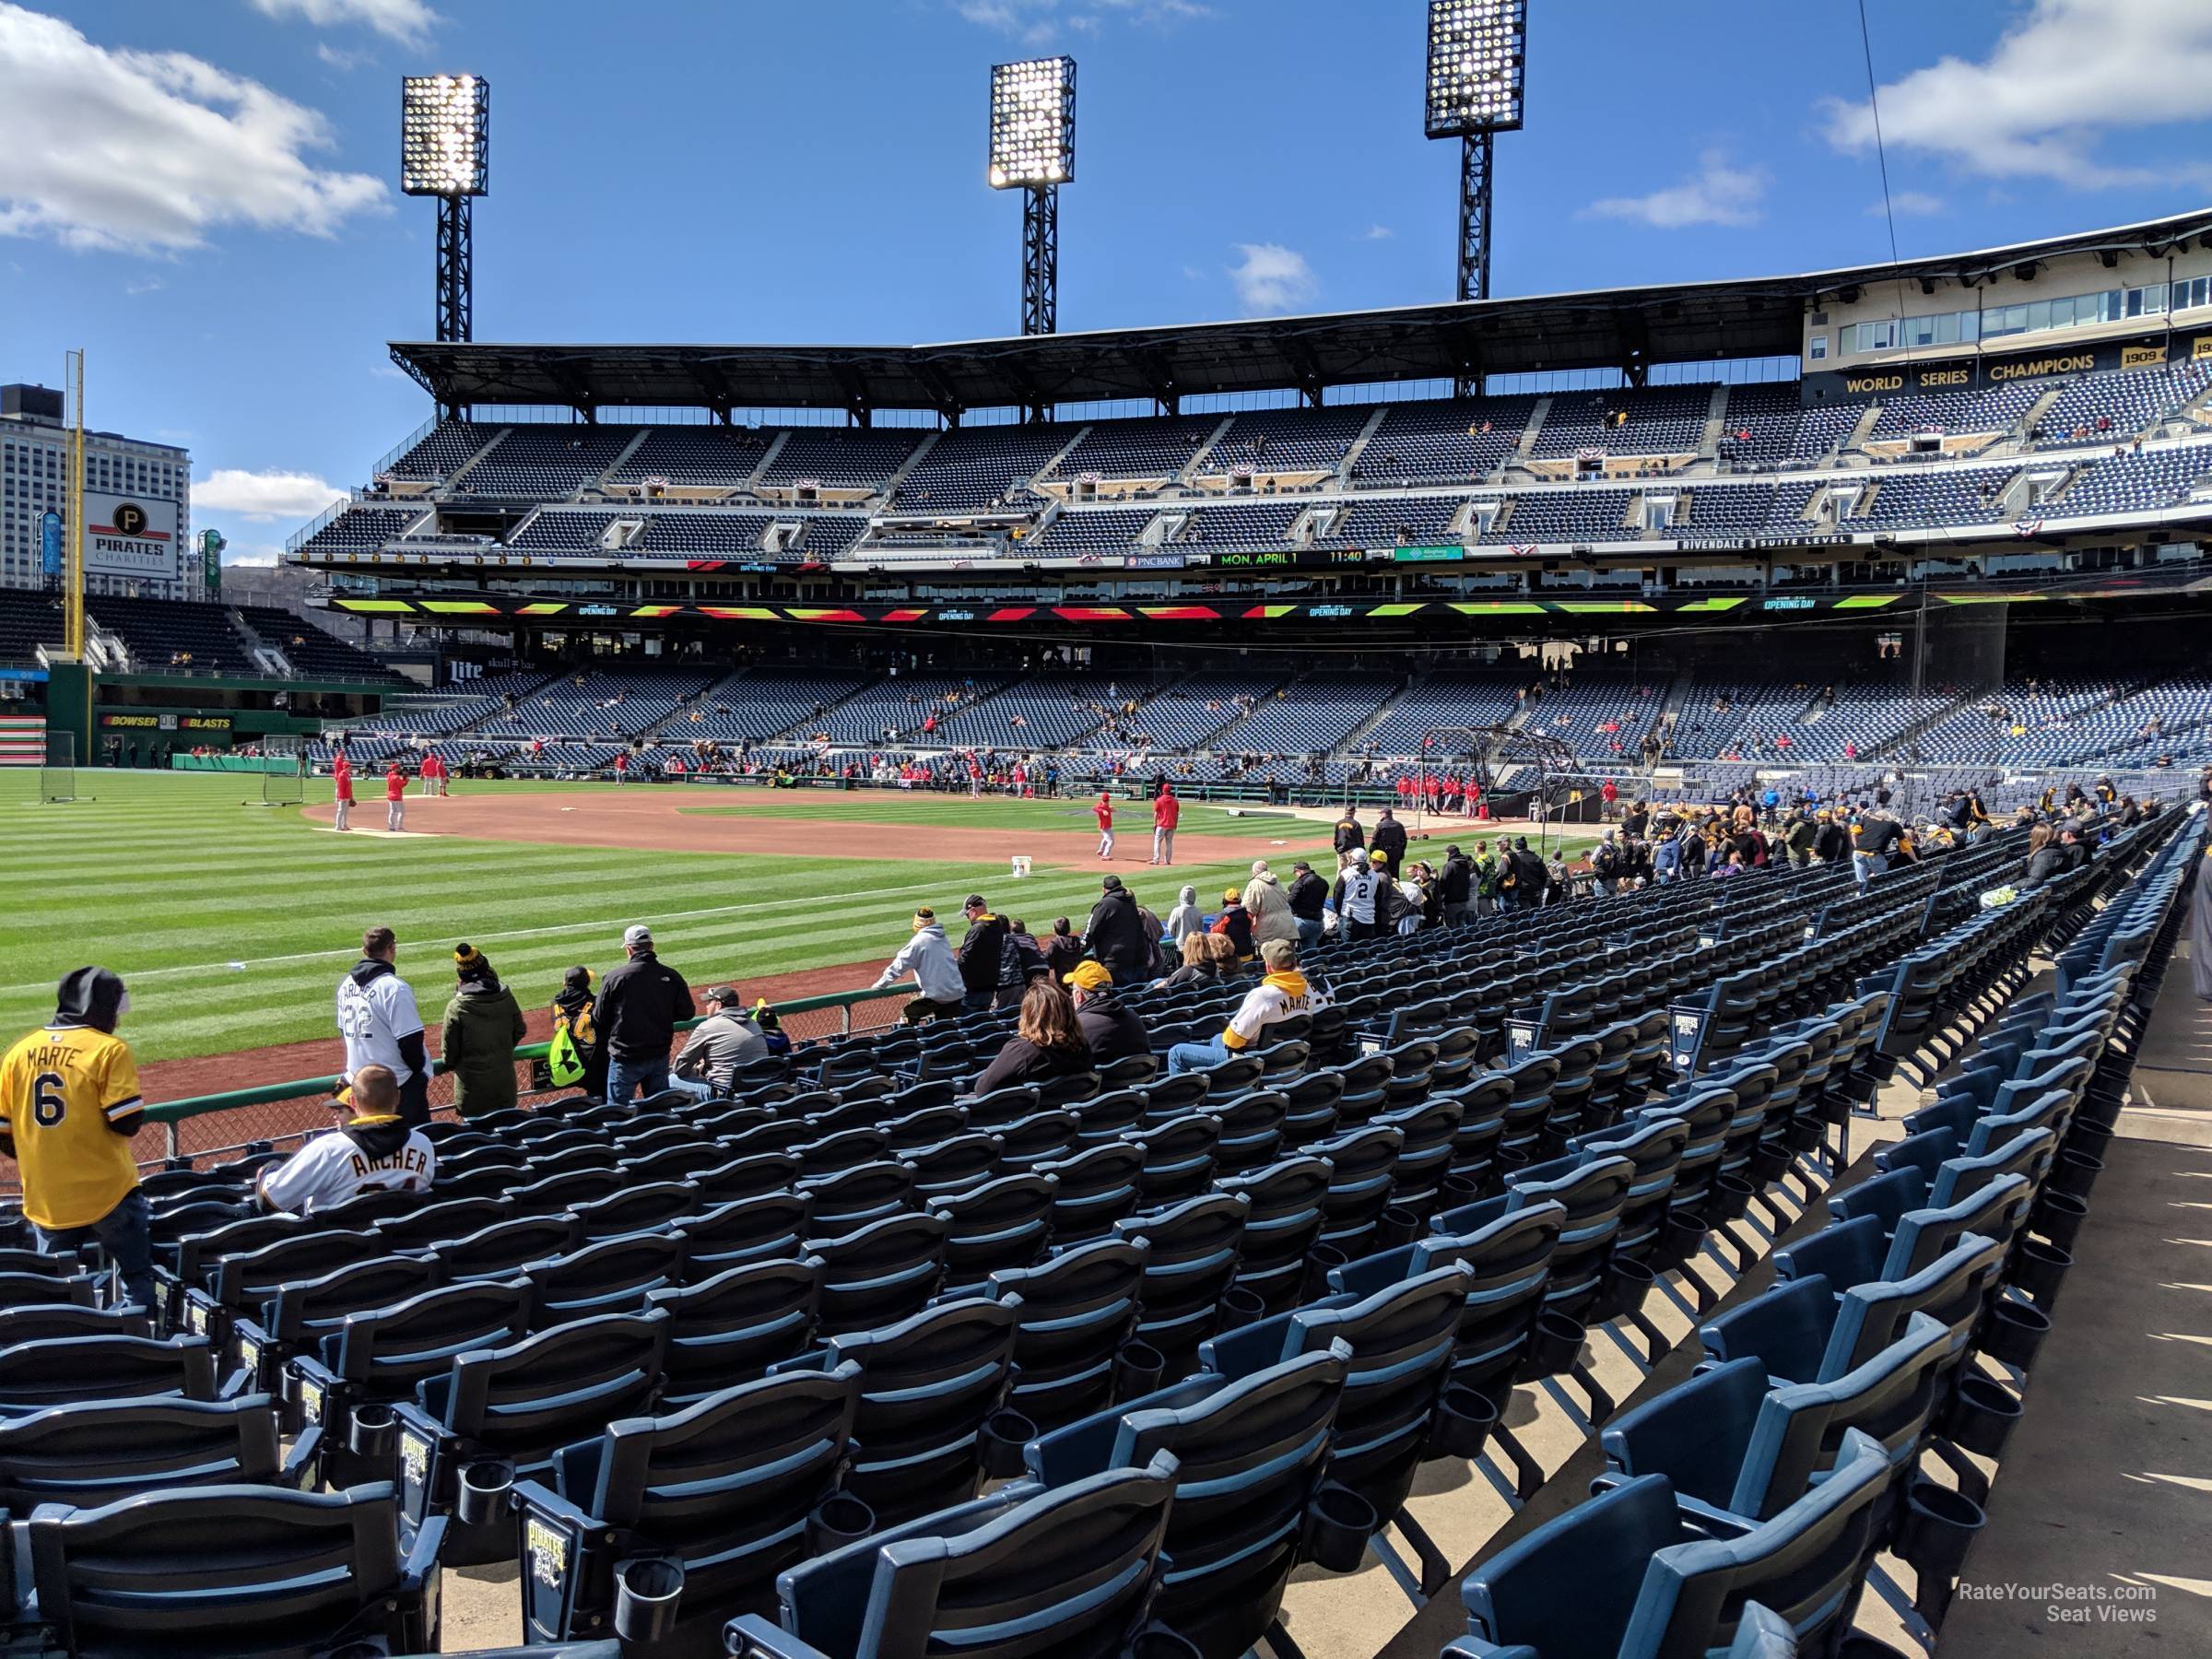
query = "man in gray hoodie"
{"x": 1269, "y": 905}
{"x": 928, "y": 955}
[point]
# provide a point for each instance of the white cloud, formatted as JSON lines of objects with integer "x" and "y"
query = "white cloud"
{"x": 1907, "y": 204}
{"x": 1377, "y": 234}
{"x": 1720, "y": 194}
{"x": 344, "y": 62}
{"x": 2037, "y": 108}
{"x": 1036, "y": 22}
{"x": 406, "y": 21}
{"x": 260, "y": 496}
{"x": 257, "y": 556}
{"x": 146, "y": 152}
{"x": 143, "y": 285}
{"x": 1272, "y": 278}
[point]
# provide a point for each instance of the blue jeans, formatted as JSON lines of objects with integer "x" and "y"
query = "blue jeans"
{"x": 625, "y": 1077}
{"x": 1309, "y": 932}
{"x": 1197, "y": 1056}
{"x": 1868, "y": 864}
{"x": 124, "y": 1233}
{"x": 698, "y": 1090}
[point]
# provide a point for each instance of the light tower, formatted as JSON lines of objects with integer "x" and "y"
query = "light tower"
{"x": 1033, "y": 151}
{"x": 1476, "y": 53}
{"x": 445, "y": 151}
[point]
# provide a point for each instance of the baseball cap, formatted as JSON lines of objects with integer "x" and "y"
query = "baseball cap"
{"x": 637, "y": 933}
{"x": 724, "y": 994}
{"x": 1231, "y": 894}
{"x": 1378, "y": 856}
{"x": 1112, "y": 884}
{"x": 973, "y": 901}
{"x": 1280, "y": 954}
{"x": 1300, "y": 864}
{"x": 1089, "y": 976}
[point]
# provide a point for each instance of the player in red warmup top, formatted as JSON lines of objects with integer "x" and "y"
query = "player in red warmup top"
{"x": 1166, "y": 811}
{"x": 341, "y": 783}
{"x": 1102, "y": 809}
{"x": 396, "y": 798}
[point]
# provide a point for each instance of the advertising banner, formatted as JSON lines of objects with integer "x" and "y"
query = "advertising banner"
{"x": 130, "y": 535}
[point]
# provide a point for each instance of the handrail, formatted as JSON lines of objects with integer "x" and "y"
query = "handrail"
{"x": 266, "y": 1094}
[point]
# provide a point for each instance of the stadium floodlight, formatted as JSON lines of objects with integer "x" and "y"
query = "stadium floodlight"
{"x": 445, "y": 151}
{"x": 1033, "y": 123}
{"x": 1033, "y": 151}
{"x": 1477, "y": 57}
{"x": 1477, "y": 50}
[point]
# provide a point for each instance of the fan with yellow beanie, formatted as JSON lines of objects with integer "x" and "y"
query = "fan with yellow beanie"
{"x": 483, "y": 1023}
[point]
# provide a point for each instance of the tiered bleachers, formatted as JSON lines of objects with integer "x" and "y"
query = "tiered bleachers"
{"x": 1197, "y": 707}
{"x": 1869, "y": 715}
{"x": 1310, "y": 715}
{"x": 1443, "y": 700}
{"x": 1920, "y": 496}
{"x": 699, "y": 457}
{"x": 1053, "y": 709}
{"x": 1662, "y": 420}
{"x": 1592, "y": 699}
{"x": 174, "y": 636}
{"x": 1761, "y": 426}
{"x": 2135, "y": 481}
{"x": 697, "y": 1362}
{"x": 361, "y": 528}
{"x": 476, "y": 700}
{"x": 1726, "y": 509}
{"x": 2107, "y": 408}
{"x": 1285, "y": 440}
{"x": 28, "y": 621}
{"x": 443, "y": 451}
{"x": 902, "y": 705}
{"x": 1461, "y": 438}
{"x": 1404, "y": 521}
{"x": 971, "y": 468}
{"x": 1996, "y": 409}
{"x": 1149, "y": 449}
{"x": 1724, "y": 714}
{"x": 547, "y": 462}
{"x": 756, "y": 703}
{"x": 316, "y": 653}
{"x": 1565, "y": 514}
{"x": 1100, "y": 530}
{"x": 599, "y": 703}
{"x": 841, "y": 458}
{"x": 1244, "y": 524}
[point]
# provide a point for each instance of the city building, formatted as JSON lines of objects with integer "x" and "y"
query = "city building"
{"x": 138, "y": 502}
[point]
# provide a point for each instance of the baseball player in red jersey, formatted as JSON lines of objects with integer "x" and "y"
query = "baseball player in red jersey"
{"x": 1102, "y": 809}
{"x": 1167, "y": 812}
{"x": 341, "y": 782}
{"x": 396, "y": 798}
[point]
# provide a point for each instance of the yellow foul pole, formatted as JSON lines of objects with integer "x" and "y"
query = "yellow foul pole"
{"x": 73, "y": 575}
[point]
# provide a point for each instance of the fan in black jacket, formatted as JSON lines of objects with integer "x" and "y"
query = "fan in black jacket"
{"x": 981, "y": 950}
{"x": 1115, "y": 933}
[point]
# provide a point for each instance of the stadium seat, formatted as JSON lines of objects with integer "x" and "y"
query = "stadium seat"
{"x": 734, "y": 1326}
{"x": 93, "y": 1452}
{"x": 1073, "y": 1350}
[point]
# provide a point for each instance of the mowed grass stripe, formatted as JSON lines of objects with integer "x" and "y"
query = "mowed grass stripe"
{"x": 167, "y": 878}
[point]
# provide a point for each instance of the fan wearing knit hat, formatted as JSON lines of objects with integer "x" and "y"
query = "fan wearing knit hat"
{"x": 483, "y": 1023}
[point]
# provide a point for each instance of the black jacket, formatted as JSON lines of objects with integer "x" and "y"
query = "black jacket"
{"x": 1062, "y": 952}
{"x": 1530, "y": 876}
{"x": 1115, "y": 933}
{"x": 1308, "y": 893}
{"x": 1456, "y": 880}
{"x": 1350, "y": 837}
{"x": 1390, "y": 837}
{"x": 1112, "y": 1031}
{"x": 1022, "y": 1060}
{"x": 1831, "y": 841}
{"x": 981, "y": 950}
{"x": 638, "y": 1006}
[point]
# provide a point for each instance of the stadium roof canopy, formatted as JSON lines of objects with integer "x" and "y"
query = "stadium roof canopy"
{"x": 1627, "y": 328}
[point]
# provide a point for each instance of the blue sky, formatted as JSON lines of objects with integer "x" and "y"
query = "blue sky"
{"x": 203, "y": 194}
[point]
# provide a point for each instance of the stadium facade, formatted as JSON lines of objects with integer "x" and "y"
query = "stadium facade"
{"x": 138, "y": 502}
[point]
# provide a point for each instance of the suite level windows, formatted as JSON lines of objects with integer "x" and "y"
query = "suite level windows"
{"x": 1998, "y": 321}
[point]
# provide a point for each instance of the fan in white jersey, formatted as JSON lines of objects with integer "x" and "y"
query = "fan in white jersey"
{"x": 374, "y": 1151}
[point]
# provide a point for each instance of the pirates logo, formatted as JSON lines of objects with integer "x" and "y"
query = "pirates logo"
{"x": 130, "y": 519}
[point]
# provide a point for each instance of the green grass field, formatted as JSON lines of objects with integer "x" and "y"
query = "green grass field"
{"x": 232, "y": 923}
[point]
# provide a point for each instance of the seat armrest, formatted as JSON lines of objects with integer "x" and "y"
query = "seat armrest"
{"x": 753, "y": 1637}
{"x": 421, "y": 1566}
{"x": 298, "y": 1467}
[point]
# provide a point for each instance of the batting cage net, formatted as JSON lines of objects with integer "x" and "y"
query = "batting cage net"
{"x": 283, "y": 771}
{"x": 57, "y": 772}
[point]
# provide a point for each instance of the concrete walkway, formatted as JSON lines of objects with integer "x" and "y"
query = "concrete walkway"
{"x": 2100, "y": 1536}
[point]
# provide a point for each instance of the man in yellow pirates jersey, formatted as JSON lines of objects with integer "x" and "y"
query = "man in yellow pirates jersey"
{"x": 68, "y": 1107}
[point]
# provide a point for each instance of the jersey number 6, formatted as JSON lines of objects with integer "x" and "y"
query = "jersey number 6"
{"x": 47, "y": 1101}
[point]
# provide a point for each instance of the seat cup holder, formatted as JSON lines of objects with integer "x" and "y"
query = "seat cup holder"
{"x": 2012, "y": 1331}
{"x": 1398, "y": 1227}
{"x": 1513, "y": 1159}
{"x": 1464, "y": 1420}
{"x": 373, "y": 1432}
{"x": 1241, "y": 1307}
{"x": 1138, "y": 1369}
{"x": 1558, "y": 1344}
{"x": 1940, "y": 1526}
{"x": 1683, "y": 1236}
{"x": 2092, "y": 1139}
{"x": 1337, "y": 1527}
{"x": 2058, "y": 1217}
{"x": 647, "y": 1591}
{"x": 2039, "y": 1269}
{"x": 2074, "y": 1174}
{"x": 1005, "y": 1432}
{"x": 1768, "y": 1164}
{"x": 1627, "y": 1283}
{"x": 1321, "y": 1260}
{"x": 487, "y": 1493}
{"x": 1806, "y": 1134}
{"x": 1455, "y": 1190}
{"x": 839, "y": 1519}
{"x": 1156, "y": 1643}
{"x": 1982, "y": 1417}
{"x": 1732, "y": 1195}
